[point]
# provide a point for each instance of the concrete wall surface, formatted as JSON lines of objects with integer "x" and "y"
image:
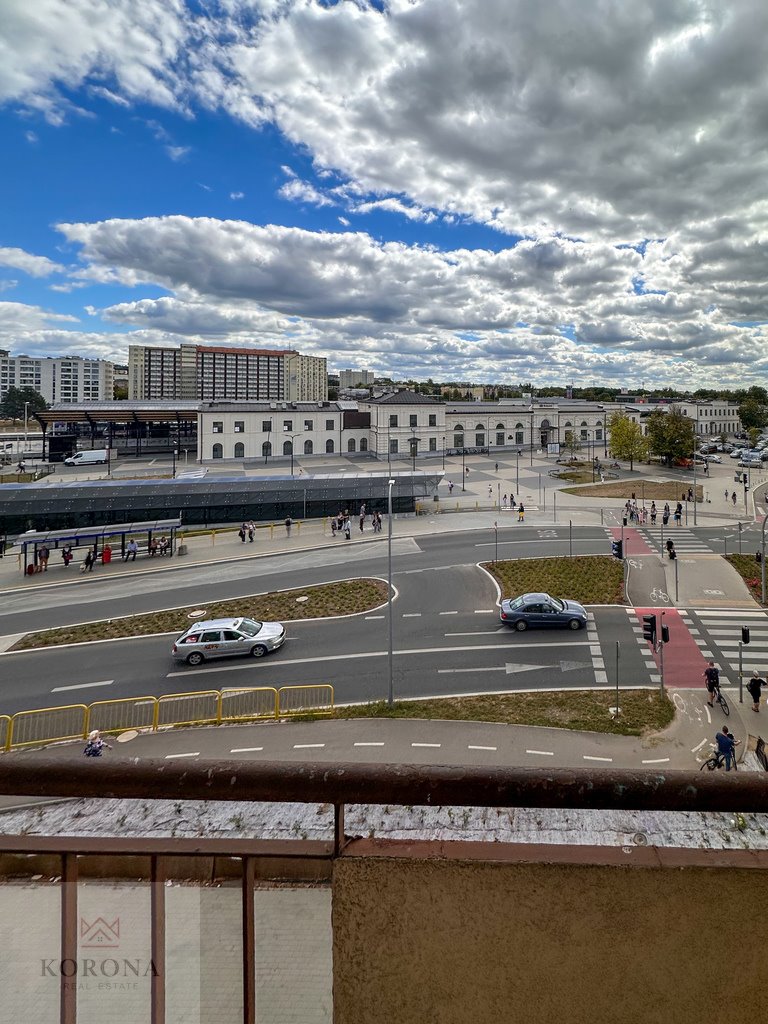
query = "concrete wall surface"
{"x": 456, "y": 942}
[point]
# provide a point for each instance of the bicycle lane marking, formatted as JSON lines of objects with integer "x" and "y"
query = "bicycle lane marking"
{"x": 683, "y": 661}
{"x": 634, "y": 542}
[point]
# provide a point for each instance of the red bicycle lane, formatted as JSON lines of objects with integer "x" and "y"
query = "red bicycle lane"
{"x": 683, "y": 661}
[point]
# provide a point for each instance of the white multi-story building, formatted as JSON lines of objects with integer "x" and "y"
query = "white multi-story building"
{"x": 58, "y": 378}
{"x": 710, "y": 418}
{"x": 214, "y": 374}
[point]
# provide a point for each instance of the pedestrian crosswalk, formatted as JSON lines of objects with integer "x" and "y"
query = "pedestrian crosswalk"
{"x": 718, "y": 636}
{"x": 685, "y": 541}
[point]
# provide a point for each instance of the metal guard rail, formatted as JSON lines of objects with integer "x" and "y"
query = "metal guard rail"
{"x": 402, "y": 785}
{"x": 171, "y": 710}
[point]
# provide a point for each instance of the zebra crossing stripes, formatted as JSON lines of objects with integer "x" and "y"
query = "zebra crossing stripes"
{"x": 595, "y": 650}
{"x": 648, "y": 659}
{"x": 722, "y": 635}
{"x": 684, "y": 540}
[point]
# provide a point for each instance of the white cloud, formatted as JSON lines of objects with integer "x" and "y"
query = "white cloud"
{"x": 298, "y": 191}
{"x": 177, "y": 152}
{"x": 237, "y": 195}
{"x": 35, "y": 266}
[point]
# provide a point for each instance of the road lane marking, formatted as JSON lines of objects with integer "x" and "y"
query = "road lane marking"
{"x": 698, "y": 746}
{"x": 369, "y": 743}
{"x": 658, "y": 760}
{"x": 481, "y": 632}
{"x": 82, "y": 686}
{"x": 484, "y": 611}
{"x": 426, "y": 744}
{"x": 244, "y": 750}
{"x": 448, "y": 613}
{"x": 308, "y": 746}
{"x": 470, "y": 746}
{"x": 411, "y": 615}
{"x": 543, "y": 753}
{"x": 589, "y": 757}
{"x": 194, "y": 753}
{"x": 190, "y": 673}
{"x": 368, "y": 618}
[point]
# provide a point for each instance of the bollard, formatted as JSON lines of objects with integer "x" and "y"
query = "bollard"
{"x": 298, "y": 527}
{"x": 213, "y": 538}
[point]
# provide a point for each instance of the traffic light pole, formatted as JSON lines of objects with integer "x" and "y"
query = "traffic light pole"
{"x": 741, "y": 677}
{"x": 660, "y": 645}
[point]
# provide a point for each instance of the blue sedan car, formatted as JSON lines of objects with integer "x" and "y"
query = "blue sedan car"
{"x": 536, "y": 611}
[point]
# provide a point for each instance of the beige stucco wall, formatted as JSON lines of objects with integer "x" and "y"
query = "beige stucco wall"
{"x": 445, "y": 941}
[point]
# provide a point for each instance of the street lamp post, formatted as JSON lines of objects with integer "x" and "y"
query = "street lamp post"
{"x": 391, "y": 688}
{"x": 762, "y": 557}
{"x": 292, "y": 437}
{"x": 26, "y": 414}
{"x": 695, "y": 434}
{"x": 463, "y": 470}
{"x": 443, "y": 451}
{"x": 517, "y": 474}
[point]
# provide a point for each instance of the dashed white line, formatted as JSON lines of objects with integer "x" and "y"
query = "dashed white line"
{"x": 82, "y": 686}
{"x": 411, "y": 615}
{"x": 658, "y": 760}
{"x": 448, "y": 613}
{"x": 244, "y": 750}
{"x": 484, "y": 611}
{"x": 426, "y": 744}
{"x": 471, "y": 746}
{"x": 698, "y": 746}
{"x": 307, "y": 746}
{"x": 590, "y": 757}
{"x": 369, "y": 744}
{"x": 194, "y": 753}
{"x": 369, "y": 617}
{"x": 542, "y": 753}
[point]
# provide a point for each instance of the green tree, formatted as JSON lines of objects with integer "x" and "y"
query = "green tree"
{"x": 753, "y": 413}
{"x": 670, "y": 434}
{"x": 12, "y": 406}
{"x": 120, "y": 392}
{"x": 627, "y": 441}
{"x": 572, "y": 444}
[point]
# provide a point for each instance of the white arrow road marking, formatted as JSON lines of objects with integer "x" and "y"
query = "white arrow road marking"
{"x": 82, "y": 686}
{"x": 569, "y": 666}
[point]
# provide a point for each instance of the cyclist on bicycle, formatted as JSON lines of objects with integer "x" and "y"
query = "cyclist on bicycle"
{"x": 726, "y": 747}
{"x": 712, "y": 679}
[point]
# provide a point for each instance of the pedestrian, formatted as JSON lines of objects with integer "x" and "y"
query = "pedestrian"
{"x": 726, "y": 746}
{"x": 678, "y": 514}
{"x": 754, "y": 686}
{"x": 66, "y": 554}
{"x": 95, "y": 744}
{"x": 152, "y": 549}
{"x": 164, "y": 546}
{"x": 671, "y": 550}
{"x": 362, "y": 520}
{"x": 131, "y": 551}
{"x": 712, "y": 681}
{"x": 653, "y": 513}
{"x": 88, "y": 561}
{"x": 512, "y": 500}
{"x": 241, "y": 533}
{"x": 733, "y": 497}
{"x": 521, "y": 513}
{"x": 490, "y": 490}
{"x": 333, "y": 527}
{"x": 497, "y": 467}
{"x": 251, "y": 531}
{"x": 288, "y": 525}
{"x": 43, "y": 555}
{"x": 450, "y": 486}
{"x": 347, "y": 530}
{"x": 726, "y": 494}
{"x": 602, "y": 477}
{"x": 706, "y": 469}
{"x": 466, "y": 471}
{"x": 690, "y": 494}
{"x": 363, "y": 510}
{"x": 504, "y": 501}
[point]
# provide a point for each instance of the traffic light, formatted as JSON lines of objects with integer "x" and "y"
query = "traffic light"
{"x": 744, "y": 478}
{"x": 649, "y": 628}
{"x": 745, "y": 634}
{"x": 617, "y": 549}
{"x": 664, "y": 634}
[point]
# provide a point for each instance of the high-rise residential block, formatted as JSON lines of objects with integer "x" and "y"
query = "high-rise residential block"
{"x": 58, "y": 378}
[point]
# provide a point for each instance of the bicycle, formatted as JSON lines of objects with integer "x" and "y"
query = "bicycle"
{"x": 717, "y": 760}
{"x": 718, "y": 698}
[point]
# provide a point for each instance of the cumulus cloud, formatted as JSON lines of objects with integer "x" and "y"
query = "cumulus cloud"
{"x": 35, "y": 266}
{"x": 298, "y": 191}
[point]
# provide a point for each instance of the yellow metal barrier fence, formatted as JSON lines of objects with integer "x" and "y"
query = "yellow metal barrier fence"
{"x": 241, "y": 705}
{"x": 48, "y": 725}
{"x": 189, "y": 708}
{"x": 293, "y": 700}
{"x": 206, "y": 707}
{"x": 123, "y": 715}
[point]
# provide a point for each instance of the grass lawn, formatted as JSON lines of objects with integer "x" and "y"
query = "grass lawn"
{"x": 650, "y": 490}
{"x": 344, "y": 598}
{"x": 589, "y": 579}
{"x": 642, "y": 711}
{"x": 750, "y": 571}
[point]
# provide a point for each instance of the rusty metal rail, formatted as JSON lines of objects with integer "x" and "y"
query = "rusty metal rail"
{"x": 408, "y": 785}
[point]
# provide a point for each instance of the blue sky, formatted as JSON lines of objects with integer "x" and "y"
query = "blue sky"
{"x": 437, "y": 189}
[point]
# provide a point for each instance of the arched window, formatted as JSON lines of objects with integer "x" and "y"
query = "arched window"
{"x": 308, "y": 447}
{"x": 479, "y": 426}
{"x": 363, "y": 444}
{"x": 287, "y": 447}
{"x": 458, "y": 426}
{"x": 351, "y": 444}
{"x": 499, "y": 426}
{"x": 329, "y": 447}
{"x": 218, "y": 452}
{"x": 584, "y": 423}
{"x": 266, "y": 449}
{"x": 568, "y": 423}
{"x": 239, "y": 450}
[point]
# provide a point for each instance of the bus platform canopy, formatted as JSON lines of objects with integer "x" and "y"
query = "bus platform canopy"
{"x": 90, "y": 535}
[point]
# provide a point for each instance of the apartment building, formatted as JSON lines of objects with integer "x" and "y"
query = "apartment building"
{"x": 58, "y": 378}
{"x": 213, "y": 373}
{"x": 351, "y": 378}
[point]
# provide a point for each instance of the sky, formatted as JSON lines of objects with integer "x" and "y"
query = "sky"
{"x": 480, "y": 190}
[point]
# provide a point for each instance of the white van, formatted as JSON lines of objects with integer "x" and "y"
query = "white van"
{"x": 89, "y": 457}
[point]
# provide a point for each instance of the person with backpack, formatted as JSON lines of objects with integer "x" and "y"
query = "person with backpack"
{"x": 712, "y": 679}
{"x": 754, "y": 688}
{"x": 95, "y": 745}
{"x": 726, "y": 747}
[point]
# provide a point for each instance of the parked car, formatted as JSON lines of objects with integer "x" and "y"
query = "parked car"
{"x": 223, "y": 638}
{"x": 736, "y": 453}
{"x": 713, "y": 458}
{"x": 535, "y": 611}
